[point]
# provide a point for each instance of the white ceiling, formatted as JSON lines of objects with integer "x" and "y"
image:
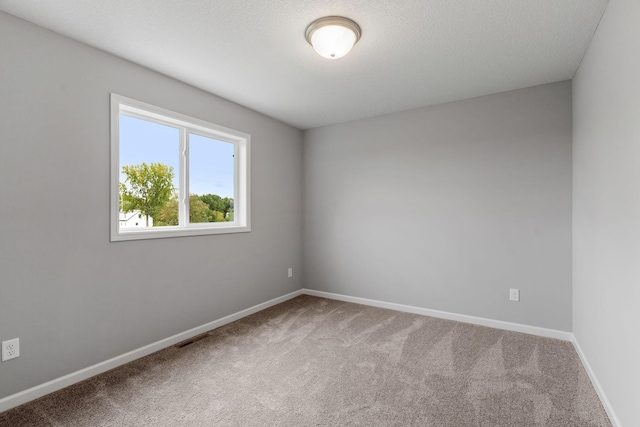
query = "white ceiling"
{"x": 413, "y": 53}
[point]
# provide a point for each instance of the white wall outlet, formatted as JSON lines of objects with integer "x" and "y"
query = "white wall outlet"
{"x": 10, "y": 349}
{"x": 290, "y": 272}
{"x": 514, "y": 294}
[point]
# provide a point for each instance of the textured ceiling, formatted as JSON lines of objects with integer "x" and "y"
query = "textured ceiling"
{"x": 413, "y": 53}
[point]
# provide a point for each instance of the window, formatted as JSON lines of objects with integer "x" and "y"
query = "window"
{"x": 174, "y": 175}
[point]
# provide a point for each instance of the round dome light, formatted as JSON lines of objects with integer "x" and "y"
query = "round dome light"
{"x": 333, "y": 36}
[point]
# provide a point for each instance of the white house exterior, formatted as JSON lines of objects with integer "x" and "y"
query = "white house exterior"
{"x": 134, "y": 219}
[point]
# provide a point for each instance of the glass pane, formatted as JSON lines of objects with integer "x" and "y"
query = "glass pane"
{"x": 211, "y": 179}
{"x": 149, "y": 158}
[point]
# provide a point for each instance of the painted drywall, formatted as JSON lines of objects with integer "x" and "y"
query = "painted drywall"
{"x": 606, "y": 207}
{"x": 73, "y": 297}
{"x": 447, "y": 207}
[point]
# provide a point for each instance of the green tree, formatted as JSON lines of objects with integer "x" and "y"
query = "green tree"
{"x": 198, "y": 210}
{"x": 146, "y": 188}
{"x": 228, "y": 213}
{"x": 224, "y": 206}
{"x": 168, "y": 215}
{"x": 214, "y": 201}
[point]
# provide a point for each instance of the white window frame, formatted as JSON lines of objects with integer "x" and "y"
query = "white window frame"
{"x": 242, "y": 151}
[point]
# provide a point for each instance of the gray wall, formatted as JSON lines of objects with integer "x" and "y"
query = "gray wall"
{"x": 606, "y": 207}
{"x": 73, "y": 297}
{"x": 447, "y": 207}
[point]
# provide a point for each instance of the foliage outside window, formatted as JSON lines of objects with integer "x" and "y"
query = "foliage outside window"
{"x": 174, "y": 175}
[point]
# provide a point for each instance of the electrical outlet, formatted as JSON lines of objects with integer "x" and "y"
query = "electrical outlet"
{"x": 514, "y": 294}
{"x": 290, "y": 272}
{"x": 10, "y": 349}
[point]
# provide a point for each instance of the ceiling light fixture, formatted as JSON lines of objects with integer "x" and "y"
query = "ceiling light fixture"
{"x": 333, "y": 36}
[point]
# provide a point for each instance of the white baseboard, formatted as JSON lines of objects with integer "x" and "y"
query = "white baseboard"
{"x": 75, "y": 377}
{"x": 498, "y": 324}
{"x": 596, "y": 384}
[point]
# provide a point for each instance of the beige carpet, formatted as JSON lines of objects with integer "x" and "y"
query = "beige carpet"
{"x": 318, "y": 362}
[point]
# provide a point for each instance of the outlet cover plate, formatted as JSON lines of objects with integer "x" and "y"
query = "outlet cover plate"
{"x": 514, "y": 294}
{"x": 10, "y": 349}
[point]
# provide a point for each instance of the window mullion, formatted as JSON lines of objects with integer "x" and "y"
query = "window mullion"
{"x": 183, "y": 191}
